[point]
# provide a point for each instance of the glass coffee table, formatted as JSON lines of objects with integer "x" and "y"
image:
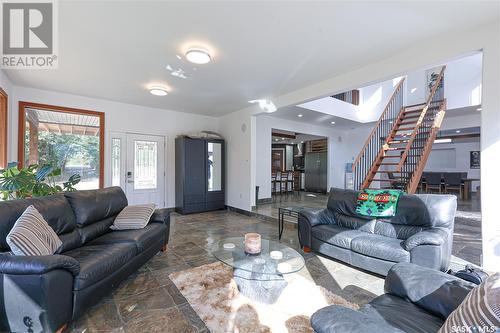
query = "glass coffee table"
{"x": 261, "y": 276}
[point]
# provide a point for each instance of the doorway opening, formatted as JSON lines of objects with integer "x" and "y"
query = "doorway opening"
{"x": 138, "y": 166}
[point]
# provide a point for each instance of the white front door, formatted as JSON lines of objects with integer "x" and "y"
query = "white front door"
{"x": 145, "y": 169}
{"x": 138, "y": 166}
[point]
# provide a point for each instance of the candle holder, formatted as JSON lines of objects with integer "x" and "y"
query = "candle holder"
{"x": 253, "y": 243}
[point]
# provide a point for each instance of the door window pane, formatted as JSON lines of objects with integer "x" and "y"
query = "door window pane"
{"x": 116, "y": 148}
{"x": 214, "y": 166}
{"x": 145, "y": 165}
{"x": 69, "y": 141}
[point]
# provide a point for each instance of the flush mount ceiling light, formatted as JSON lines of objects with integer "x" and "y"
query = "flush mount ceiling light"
{"x": 198, "y": 56}
{"x": 265, "y": 105}
{"x": 332, "y": 122}
{"x": 299, "y": 115}
{"x": 457, "y": 131}
{"x": 479, "y": 109}
{"x": 158, "y": 91}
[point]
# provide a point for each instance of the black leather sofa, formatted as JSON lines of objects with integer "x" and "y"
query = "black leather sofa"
{"x": 46, "y": 292}
{"x": 417, "y": 300}
{"x": 421, "y": 232}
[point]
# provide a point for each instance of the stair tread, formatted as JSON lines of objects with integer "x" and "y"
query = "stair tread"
{"x": 386, "y": 180}
{"x": 405, "y": 129}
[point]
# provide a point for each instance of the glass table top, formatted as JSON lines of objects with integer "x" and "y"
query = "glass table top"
{"x": 274, "y": 259}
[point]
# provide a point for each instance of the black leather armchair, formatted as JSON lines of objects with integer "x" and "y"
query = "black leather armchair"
{"x": 417, "y": 299}
{"x": 42, "y": 293}
{"x": 421, "y": 232}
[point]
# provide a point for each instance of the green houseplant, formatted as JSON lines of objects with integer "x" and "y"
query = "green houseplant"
{"x": 33, "y": 181}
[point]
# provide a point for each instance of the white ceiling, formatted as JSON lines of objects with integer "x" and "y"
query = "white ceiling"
{"x": 115, "y": 49}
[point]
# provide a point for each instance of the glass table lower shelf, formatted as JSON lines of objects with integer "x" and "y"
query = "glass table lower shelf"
{"x": 260, "y": 276}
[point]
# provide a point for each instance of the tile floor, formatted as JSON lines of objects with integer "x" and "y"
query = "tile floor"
{"x": 149, "y": 302}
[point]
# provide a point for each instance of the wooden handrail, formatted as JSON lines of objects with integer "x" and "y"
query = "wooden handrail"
{"x": 421, "y": 118}
{"x": 362, "y": 152}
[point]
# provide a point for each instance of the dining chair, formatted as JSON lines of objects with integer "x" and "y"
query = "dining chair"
{"x": 433, "y": 182}
{"x": 453, "y": 183}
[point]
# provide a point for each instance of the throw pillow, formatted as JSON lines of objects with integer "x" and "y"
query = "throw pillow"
{"x": 31, "y": 235}
{"x": 377, "y": 203}
{"x": 133, "y": 217}
{"x": 479, "y": 311}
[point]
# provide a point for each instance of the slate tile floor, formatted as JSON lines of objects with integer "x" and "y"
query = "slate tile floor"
{"x": 148, "y": 301}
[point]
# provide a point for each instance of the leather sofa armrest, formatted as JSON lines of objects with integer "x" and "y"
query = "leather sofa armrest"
{"x": 25, "y": 265}
{"x": 161, "y": 215}
{"x": 316, "y": 217}
{"x": 435, "y": 236}
{"x": 309, "y": 218}
{"x": 432, "y": 290}
{"x": 337, "y": 319}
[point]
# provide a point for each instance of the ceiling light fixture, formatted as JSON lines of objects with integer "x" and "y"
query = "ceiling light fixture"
{"x": 332, "y": 122}
{"x": 158, "y": 91}
{"x": 479, "y": 109}
{"x": 457, "y": 131}
{"x": 265, "y": 105}
{"x": 198, "y": 56}
{"x": 300, "y": 115}
{"x": 442, "y": 141}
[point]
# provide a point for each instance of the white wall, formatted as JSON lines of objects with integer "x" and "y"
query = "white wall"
{"x": 462, "y": 83}
{"x": 336, "y": 152}
{"x": 238, "y": 130}
{"x": 120, "y": 117}
{"x": 460, "y": 164}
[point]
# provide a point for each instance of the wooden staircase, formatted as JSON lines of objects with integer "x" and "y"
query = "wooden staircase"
{"x": 395, "y": 153}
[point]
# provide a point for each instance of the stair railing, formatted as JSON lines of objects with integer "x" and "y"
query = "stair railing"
{"x": 423, "y": 137}
{"x": 363, "y": 164}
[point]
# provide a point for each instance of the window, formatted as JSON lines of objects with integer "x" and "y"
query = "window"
{"x": 3, "y": 128}
{"x": 116, "y": 148}
{"x": 145, "y": 165}
{"x": 71, "y": 139}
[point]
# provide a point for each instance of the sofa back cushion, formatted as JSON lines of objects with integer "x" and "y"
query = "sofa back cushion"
{"x": 55, "y": 209}
{"x": 95, "y": 210}
{"x": 415, "y": 212}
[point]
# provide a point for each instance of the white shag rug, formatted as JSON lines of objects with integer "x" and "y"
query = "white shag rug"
{"x": 213, "y": 293}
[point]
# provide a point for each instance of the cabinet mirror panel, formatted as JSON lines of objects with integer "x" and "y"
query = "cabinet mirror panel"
{"x": 214, "y": 166}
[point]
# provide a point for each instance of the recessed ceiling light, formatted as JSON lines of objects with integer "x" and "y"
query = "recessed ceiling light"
{"x": 198, "y": 56}
{"x": 479, "y": 109}
{"x": 457, "y": 131}
{"x": 300, "y": 115}
{"x": 158, "y": 91}
{"x": 282, "y": 139}
{"x": 332, "y": 122}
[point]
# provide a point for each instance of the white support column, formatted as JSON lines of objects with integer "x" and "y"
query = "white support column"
{"x": 490, "y": 156}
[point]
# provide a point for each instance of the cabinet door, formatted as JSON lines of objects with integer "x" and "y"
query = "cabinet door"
{"x": 195, "y": 171}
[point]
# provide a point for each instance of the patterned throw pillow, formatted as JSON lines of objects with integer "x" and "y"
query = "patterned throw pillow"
{"x": 377, "y": 203}
{"x": 133, "y": 217}
{"x": 32, "y": 235}
{"x": 479, "y": 311}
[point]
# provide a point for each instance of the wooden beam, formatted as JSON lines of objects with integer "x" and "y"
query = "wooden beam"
{"x": 4, "y": 115}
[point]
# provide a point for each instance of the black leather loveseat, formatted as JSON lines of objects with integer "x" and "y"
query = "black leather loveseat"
{"x": 46, "y": 292}
{"x": 417, "y": 300}
{"x": 421, "y": 232}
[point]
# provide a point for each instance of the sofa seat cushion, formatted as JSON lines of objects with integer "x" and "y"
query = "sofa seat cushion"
{"x": 141, "y": 238}
{"x": 402, "y": 315}
{"x": 336, "y": 235}
{"x": 99, "y": 261}
{"x": 381, "y": 247}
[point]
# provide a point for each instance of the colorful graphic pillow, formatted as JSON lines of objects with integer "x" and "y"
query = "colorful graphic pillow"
{"x": 378, "y": 203}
